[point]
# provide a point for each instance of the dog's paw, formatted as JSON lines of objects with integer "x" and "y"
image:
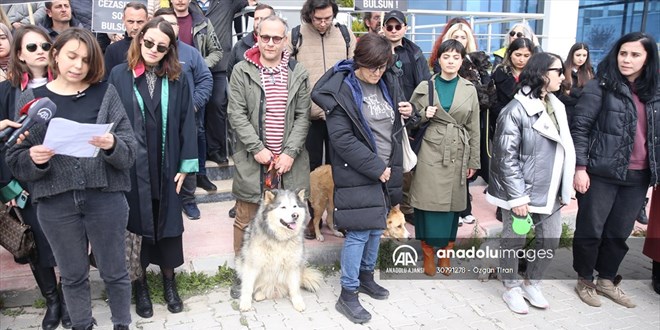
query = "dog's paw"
{"x": 320, "y": 238}
{"x": 245, "y": 305}
{"x": 298, "y": 303}
{"x": 259, "y": 296}
{"x": 337, "y": 233}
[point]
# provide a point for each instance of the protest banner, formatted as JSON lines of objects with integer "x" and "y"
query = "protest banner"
{"x": 107, "y": 15}
{"x": 381, "y": 5}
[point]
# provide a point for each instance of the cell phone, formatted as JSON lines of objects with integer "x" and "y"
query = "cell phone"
{"x": 21, "y": 200}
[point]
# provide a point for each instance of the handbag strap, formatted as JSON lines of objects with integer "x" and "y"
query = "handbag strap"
{"x": 431, "y": 88}
{"x": 8, "y": 209}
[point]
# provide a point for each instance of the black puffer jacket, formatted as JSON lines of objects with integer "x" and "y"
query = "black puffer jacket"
{"x": 603, "y": 129}
{"x": 361, "y": 200}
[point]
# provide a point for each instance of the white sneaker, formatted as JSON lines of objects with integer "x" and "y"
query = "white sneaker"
{"x": 460, "y": 221}
{"x": 470, "y": 219}
{"x": 533, "y": 294}
{"x": 514, "y": 299}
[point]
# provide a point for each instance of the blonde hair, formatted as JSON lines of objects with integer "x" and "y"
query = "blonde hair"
{"x": 471, "y": 45}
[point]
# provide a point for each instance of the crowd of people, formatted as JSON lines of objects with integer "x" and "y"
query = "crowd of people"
{"x": 173, "y": 87}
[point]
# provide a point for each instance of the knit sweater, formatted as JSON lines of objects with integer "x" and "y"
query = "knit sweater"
{"x": 109, "y": 171}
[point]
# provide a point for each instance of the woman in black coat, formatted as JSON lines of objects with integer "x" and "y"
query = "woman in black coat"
{"x": 159, "y": 105}
{"x": 364, "y": 105}
{"x": 615, "y": 129}
{"x": 578, "y": 71}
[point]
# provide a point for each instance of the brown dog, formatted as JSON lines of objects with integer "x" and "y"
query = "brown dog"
{"x": 321, "y": 199}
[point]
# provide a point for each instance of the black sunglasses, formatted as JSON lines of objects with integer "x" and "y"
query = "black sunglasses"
{"x": 516, "y": 34}
{"x": 266, "y": 39}
{"x": 32, "y": 47}
{"x": 389, "y": 28}
{"x": 560, "y": 71}
{"x": 150, "y": 44}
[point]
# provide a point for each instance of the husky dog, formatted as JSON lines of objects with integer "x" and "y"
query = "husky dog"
{"x": 271, "y": 263}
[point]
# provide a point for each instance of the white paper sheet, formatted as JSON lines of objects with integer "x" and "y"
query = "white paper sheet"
{"x": 70, "y": 138}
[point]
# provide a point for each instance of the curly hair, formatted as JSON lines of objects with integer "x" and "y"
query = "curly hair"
{"x": 307, "y": 12}
{"x": 534, "y": 75}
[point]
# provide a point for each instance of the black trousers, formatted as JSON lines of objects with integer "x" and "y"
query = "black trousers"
{"x": 606, "y": 216}
{"x": 216, "y": 116}
{"x": 317, "y": 142}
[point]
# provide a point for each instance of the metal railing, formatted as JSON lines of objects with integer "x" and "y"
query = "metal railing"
{"x": 429, "y": 32}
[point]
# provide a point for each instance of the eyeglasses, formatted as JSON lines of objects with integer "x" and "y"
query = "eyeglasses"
{"x": 560, "y": 71}
{"x": 32, "y": 47}
{"x": 378, "y": 68}
{"x": 150, "y": 44}
{"x": 266, "y": 39}
{"x": 324, "y": 20}
{"x": 397, "y": 27}
{"x": 516, "y": 34}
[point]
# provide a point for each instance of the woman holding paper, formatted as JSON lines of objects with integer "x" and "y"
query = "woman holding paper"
{"x": 81, "y": 200}
{"x": 159, "y": 105}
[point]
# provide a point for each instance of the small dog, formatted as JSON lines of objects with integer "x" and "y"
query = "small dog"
{"x": 271, "y": 263}
{"x": 321, "y": 199}
{"x": 396, "y": 225}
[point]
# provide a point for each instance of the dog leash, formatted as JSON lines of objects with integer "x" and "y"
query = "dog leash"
{"x": 540, "y": 222}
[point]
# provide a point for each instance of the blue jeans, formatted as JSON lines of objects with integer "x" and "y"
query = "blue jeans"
{"x": 360, "y": 252}
{"x": 70, "y": 221}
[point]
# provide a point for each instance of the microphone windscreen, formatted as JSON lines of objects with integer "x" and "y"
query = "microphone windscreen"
{"x": 42, "y": 110}
{"x": 26, "y": 107}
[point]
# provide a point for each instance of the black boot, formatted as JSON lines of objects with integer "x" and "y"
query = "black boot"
{"x": 174, "y": 303}
{"x": 206, "y": 184}
{"x": 143, "y": 306}
{"x": 370, "y": 287}
{"x": 235, "y": 290}
{"x": 47, "y": 282}
{"x": 349, "y": 305}
{"x": 655, "y": 280}
{"x": 66, "y": 319}
{"x": 642, "y": 217}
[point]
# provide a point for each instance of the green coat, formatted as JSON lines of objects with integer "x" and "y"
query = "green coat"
{"x": 449, "y": 148}
{"x": 246, "y": 115}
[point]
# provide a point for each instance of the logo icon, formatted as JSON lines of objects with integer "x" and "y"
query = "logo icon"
{"x": 404, "y": 255}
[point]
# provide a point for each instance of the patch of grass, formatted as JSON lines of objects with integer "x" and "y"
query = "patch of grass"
{"x": 191, "y": 284}
{"x": 12, "y": 312}
{"x": 473, "y": 240}
{"x": 385, "y": 252}
{"x": 39, "y": 303}
{"x": 329, "y": 270}
{"x": 639, "y": 232}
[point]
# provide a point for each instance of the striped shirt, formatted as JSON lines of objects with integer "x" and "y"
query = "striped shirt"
{"x": 275, "y": 84}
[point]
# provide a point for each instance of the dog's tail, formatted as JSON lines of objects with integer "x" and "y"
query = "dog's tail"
{"x": 311, "y": 279}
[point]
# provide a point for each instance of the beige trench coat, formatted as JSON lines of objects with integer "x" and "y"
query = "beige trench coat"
{"x": 450, "y": 146}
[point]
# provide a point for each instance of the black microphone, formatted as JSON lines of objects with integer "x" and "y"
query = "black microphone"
{"x": 40, "y": 112}
{"x": 9, "y": 130}
{"x": 78, "y": 96}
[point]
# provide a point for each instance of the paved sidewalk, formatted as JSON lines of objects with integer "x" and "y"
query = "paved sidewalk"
{"x": 436, "y": 303}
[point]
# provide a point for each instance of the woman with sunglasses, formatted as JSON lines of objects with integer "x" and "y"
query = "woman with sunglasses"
{"x": 364, "y": 106}
{"x": 577, "y": 72}
{"x": 531, "y": 175}
{"x": 517, "y": 31}
{"x": 28, "y": 68}
{"x": 81, "y": 201}
{"x": 159, "y": 105}
{"x": 616, "y": 130}
{"x": 448, "y": 156}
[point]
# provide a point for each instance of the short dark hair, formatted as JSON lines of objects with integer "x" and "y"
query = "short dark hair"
{"x": 137, "y": 6}
{"x": 164, "y": 11}
{"x": 372, "y": 50}
{"x": 449, "y": 45}
{"x": 310, "y": 6}
{"x": 646, "y": 84}
{"x": 262, "y": 6}
{"x": 535, "y": 72}
{"x": 49, "y": 4}
{"x": 94, "y": 53}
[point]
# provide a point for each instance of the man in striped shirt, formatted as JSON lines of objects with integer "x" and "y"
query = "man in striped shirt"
{"x": 269, "y": 109}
